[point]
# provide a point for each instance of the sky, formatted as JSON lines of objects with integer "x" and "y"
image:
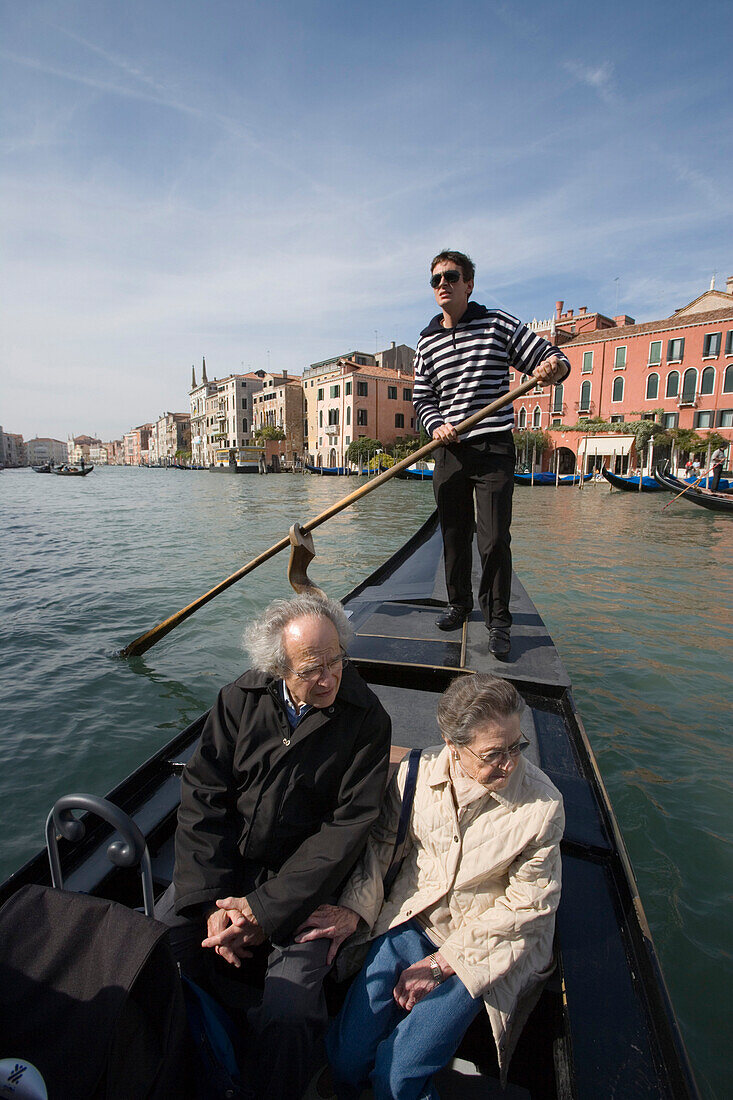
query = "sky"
{"x": 263, "y": 184}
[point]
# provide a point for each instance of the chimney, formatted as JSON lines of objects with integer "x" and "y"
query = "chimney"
{"x": 558, "y": 309}
{"x": 729, "y": 284}
{"x": 285, "y": 375}
{"x": 393, "y": 343}
{"x": 583, "y": 310}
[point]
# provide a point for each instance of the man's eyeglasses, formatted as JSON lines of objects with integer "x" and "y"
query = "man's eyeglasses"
{"x": 315, "y": 672}
{"x": 494, "y": 759}
{"x": 450, "y": 276}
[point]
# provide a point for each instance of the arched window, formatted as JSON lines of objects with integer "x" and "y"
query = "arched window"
{"x": 617, "y": 394}
{"x": 536, "y": 417}
{"x": 689, "y": 384}
{"x": 557, "y": 398}
{"x": 348, "y": 414}
{"x": 522, "y": 417}
{"x": 707, "y": 380}
{"x": 728, "y": 379}
{"x": 673, "y": 383}
{"x": 652, "y": 387}
{"x": 584, "y": 398}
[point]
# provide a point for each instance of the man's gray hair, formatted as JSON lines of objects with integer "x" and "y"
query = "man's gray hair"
{"x": 263, "y": 638}
{"x": 471, "y": 701}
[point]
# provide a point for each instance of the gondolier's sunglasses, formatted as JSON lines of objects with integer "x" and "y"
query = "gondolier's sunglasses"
{"x": 494, "y": 759}
{"x": 311, "y": 675}
{"x": 451, "y": 276}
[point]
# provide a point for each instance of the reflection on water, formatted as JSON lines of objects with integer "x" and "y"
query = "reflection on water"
{"x": 638, "y": 601}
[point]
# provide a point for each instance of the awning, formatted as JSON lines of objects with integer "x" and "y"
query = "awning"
{"x": 605, "y": 444}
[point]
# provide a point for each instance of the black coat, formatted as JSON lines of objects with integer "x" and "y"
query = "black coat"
{"x": 274, "y": 814}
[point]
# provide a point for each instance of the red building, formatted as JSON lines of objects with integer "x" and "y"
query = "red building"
{"x": 677, "y": 371}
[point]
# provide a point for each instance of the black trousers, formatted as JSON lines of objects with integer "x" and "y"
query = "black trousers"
{"x": 286, "y": 1028}
{"x": 483, "y": 470}
{"x": 717, "y": 471}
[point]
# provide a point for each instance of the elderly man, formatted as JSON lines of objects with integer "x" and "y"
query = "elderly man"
{"x": 276, "y": 805}
{"x": 462, "y": 364}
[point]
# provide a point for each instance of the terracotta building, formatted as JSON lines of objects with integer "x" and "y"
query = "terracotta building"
{"x": 677, "y": 371}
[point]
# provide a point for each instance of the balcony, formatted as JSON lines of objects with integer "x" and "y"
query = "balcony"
{"x": 332, "y": 429}
{"x": 687, "y": 401}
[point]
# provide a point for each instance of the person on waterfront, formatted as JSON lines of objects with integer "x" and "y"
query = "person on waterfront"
{"x": 696, "y": 468}
{"x": 462, "y": 364}
{"x": 717, "y": 461}
{"x": 468, "y": 923}
{"x": 276, "y": 806}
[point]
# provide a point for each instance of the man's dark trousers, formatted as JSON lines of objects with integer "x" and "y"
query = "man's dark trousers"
{"x": 287, "y": 1026}
{"x": 484, "y": 467}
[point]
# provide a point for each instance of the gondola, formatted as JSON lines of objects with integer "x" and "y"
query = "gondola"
{"x": 328, "y": 471}
{"x": 546, "y": 477}
{"x": 603, "y": 1025}
{"x": 419, "y": 471}
{"x": 72, "y": 471}
{"x": 706, "y": 498}
{"x": 44, "y": 469}
{"x": 631, "y": 484}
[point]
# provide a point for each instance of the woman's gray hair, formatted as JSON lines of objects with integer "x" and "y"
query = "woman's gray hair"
{"x": 471, "y": 701}
{"x": 263, "y": 638}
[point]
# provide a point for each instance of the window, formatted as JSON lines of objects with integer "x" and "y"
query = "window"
{"x": 557, "y": 398}
{"x": 725, "y": 418}
{"x": 728, "y": 379}
{"x": 522, "y": 417}
{"x": 689, "y": 385}
{"x": 675, "y": 350}
{"x": 655, "y": 353}
{"x": 391, "y": 393}
{"x": 729, "y": 342}
{"x": 362, "y": 389}
{"x": 536, "y": 417}
{"x": 335, "y": 391}
{"x": 348, "y": 414}
{"x": 320, "y": 419}
{"x": 584, "y": 405}
{"x": 619, "y": 359}
{"x": 333, "y": 416}
{"x": 711, "y": 345}
{"x": 617, "y": 418}
{"x": 704, "y": 419}
{"x": 407, "y": 395}
{"x": 617, "y": 393}
{"x": 245, "y": 429}
{"x": 649, "y": 416}
{"x": 319, "y": 395}
{"x": 361, "y": 414}
{"x": 707, "y": 380}
{"x": 347, "y": 389}
{"x": 348, "y": 440}
{"x": 244, "y": 402}
{"x": 587, "y": 367}
{"x": 555, "y": 422}
{"x": 670, "y": 420}
{"x": 652, "y": 387}
{"x": 673, "y": 384}
{"x": 399, "y": 420}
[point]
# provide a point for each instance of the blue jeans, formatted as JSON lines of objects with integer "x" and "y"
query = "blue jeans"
{"x": 374, "y": 1041}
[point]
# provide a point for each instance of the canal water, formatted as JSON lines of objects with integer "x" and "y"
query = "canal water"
{"x": 638, "y": 601}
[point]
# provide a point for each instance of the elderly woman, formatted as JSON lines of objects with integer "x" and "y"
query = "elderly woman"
{"x": 469, "y": 921}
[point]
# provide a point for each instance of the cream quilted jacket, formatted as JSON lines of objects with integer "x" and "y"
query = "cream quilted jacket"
{"x": 497, "y": 869}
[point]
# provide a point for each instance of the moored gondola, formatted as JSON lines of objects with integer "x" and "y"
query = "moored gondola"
{"x": 545, "y": 477}
{"x": 631, "y": 484}
{"x": 328, "y": 471}
{"x": 603, "y": 1025}
{"x": 705, "y": 498}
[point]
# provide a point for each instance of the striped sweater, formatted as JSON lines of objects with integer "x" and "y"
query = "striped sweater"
{"x": 460, "y": 370}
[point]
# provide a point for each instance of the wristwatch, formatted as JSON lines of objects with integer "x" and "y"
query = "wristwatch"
{"x": 435, "y": 970}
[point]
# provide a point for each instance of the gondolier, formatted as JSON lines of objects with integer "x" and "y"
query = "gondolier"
{"x": 462, "y": 363}
{"x": 717, "y": 460}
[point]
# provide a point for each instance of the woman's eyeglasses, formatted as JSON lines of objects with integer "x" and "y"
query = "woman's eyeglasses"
{"x": 451, "y": 276}
{"x": 494, "y": 759}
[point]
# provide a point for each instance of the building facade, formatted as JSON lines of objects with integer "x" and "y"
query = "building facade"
{"x": 170, "y": 435}
{"x": 12, "y": 449}
{"x": 677, "y": 371}
{"x": 80, "y": 446}
{"x": 135, "y": 445}
{"x": 281, "y": 404}
{"x": 43, "y": 449}
{"x": 350, "y": 400}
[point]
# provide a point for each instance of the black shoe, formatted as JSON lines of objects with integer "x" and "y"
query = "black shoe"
{"x": 499, "y": 643}
{"x": 454, "y": 618}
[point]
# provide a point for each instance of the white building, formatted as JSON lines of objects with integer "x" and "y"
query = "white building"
{"x": 42, "y": 450}
{"x": 221, "y": 414}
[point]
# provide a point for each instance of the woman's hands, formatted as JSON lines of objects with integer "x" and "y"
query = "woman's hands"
{"x": 417, "y": 981}
{"x": 334, "y": 922}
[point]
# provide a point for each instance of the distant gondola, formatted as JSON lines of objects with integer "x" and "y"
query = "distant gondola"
{"x": 548, "y": 478}
{"x": 72, "y": 471}
{"x": 706, "y": 498}
{"x": 419, "y": 471}
{"x": 328, "y": 471}
{"x": 45, "y": 469}
{"x": 631, "y": 484}
{"x": 603, "y": 1025}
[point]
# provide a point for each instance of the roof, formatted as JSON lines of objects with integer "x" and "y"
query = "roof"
{"x": 664, "y": 325}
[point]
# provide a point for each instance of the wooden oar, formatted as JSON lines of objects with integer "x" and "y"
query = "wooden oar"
{"x": 701, "y": 478}
{"x": 145, "y": 641}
